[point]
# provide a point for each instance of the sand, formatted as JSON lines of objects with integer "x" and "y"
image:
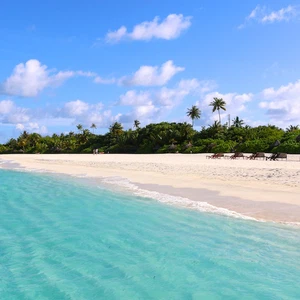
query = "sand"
{"x": 265, "y": 190}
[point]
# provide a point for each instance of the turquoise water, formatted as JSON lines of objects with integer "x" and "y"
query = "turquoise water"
{"x": 63, "y": 239}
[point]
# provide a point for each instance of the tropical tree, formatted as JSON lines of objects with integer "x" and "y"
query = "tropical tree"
{"x": 79, "y": 127}
{"x": 33, "y": 139}
{"x": 237, "y": 122}
{"x": 136, "y": 124}
{"x": 93, "y": 126}
{"x": 84, "y": 137}
{"x": 194, "y": 113}
{"x": 292, "y": 128}
{"x": 215, "y": 129}
{"x": 23, "y": 140}
{"x": 218, "y": 104}
{"x": 22, "y": 143}
{"x": 116, "y": 129}
{"x": 163, "y": 137}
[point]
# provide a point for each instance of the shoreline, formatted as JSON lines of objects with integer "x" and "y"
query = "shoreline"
{"x": 244, "y": 187}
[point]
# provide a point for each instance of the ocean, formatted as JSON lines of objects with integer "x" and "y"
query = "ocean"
{"x": 70, "y": 238}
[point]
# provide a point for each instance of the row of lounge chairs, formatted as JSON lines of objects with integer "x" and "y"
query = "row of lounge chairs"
{"x": 257, "y": 155}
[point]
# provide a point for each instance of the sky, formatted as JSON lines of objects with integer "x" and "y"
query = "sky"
{"x": 64, "y": 63}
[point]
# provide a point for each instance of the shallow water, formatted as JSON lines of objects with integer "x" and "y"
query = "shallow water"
{"x": 61, "y": 238}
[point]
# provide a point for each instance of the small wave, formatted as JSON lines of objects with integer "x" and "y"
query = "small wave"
{"x": 161, "y": 197}
{"x": 175, "y": 200}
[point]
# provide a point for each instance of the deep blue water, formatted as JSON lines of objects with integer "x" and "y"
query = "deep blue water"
{"x": 61, "y": 238}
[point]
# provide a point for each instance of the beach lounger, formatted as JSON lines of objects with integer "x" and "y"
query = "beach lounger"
{"x": 277, "y": 156}
{"x": 251, "y": 156}
{"x": 216, "y": 155}
{"x": 281, "y": 156}
{"x": 272, "y": 157}
{"x": 237, "y": 155}
{"x": 257, "y": 155}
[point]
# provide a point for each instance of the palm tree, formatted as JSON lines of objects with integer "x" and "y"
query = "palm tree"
{"x": 22, "y": 143}
{"x": 116, "y": 129}
{"x": 218, "y": 104}
{"x": 33, "y": 139}
{"x": 194, "y": 113}
{"x": 79, "y": 127}
{"x": 136, "y": 124}
{"x": 216, "y": 128}
{"x": 93, "y": 126}
{"x": 237, "y": 122}
{"x": 84, "y": 137}
{"x": 292, "y": 128}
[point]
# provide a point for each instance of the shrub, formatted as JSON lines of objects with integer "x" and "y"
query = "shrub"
{"x": 291, "y": 147}
{"x": 87, "y": 150}
{"x": 3, "y": 149}
{"x": 253, "y": 146}
{"x": 224, "y": 147}
{"x": 196, "y": 149}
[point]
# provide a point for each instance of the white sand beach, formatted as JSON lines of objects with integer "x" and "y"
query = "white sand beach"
{"x": 265, "y": 190}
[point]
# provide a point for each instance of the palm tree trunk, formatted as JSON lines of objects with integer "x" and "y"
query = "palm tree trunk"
{"x": 219, "y": 116}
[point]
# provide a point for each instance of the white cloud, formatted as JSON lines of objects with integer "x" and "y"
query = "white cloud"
{"x": 134, "y": 98}
{"x": 72, "y": 113}
{"x": 261, "y": 15}
{"x": 12, "y": 114}
{"x": 153, "y": 105}
{"x": 19, "y": 115}
{"x": 146, "y": 76}
{"x": 43, "y": 130}
{"x": 29, "y": 79}
{"x": 85, "y": 74}
{"x": 172, "y": 97}
{"x": 152, "y": 75}
{"x": 167, "y": 97}
{"x": 282, "y": 105}
{"x": 76, "y": 108}
{"x": 20, "y": 127}
{"x": 170, "y": 28}
{"x": 115, "y": 36}
{"x": 6, "y": 106}
{"x": 85, "y": 113}
{"x": 32, "y": 127}
{"x": 144, "y": 113}
{"x": 284, "y": 14}
{"x": 101, "y": 80}
{"x": 255, "y": 12}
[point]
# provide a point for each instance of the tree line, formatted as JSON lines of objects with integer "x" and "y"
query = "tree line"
{"x": 164, "y": 137}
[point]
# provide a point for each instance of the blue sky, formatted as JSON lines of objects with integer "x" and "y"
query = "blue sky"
{"x": 70, "y": 62}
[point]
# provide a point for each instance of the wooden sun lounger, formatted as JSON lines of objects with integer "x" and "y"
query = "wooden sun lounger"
{"x": 216, "y": 155}
{"x": 237, "y": 155}
{"x": 281, "y": 156}
{"x": 277, "y": 156}
{"x": 257, "y": 155}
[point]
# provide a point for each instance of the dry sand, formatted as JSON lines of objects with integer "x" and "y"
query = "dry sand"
{"x": 268, "y": 190}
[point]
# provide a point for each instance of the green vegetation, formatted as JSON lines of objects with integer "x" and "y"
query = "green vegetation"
{"x": 161, "y": 138}
{"x": 164, "y": 138}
